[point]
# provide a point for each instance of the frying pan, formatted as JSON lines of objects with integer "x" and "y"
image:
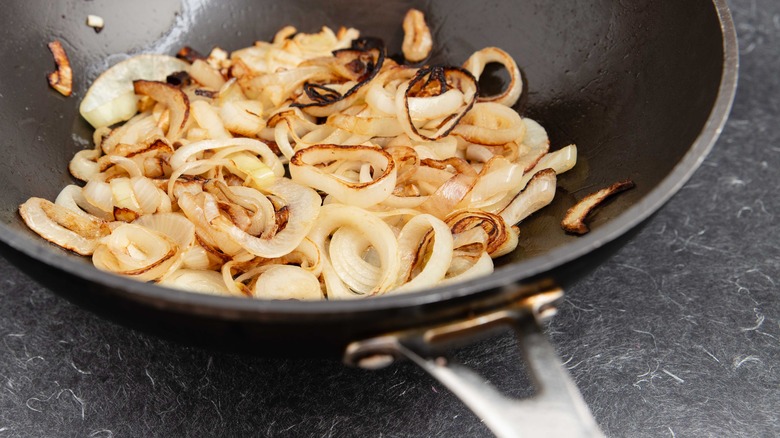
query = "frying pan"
{"x": 642, "y": 87}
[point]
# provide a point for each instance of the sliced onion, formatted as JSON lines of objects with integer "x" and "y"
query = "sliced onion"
{"x": 84, "y": 164}
{"x": 243, "y": 117}
{"x": 184, "y": 153}
{"x": 501, "y": 239}
{"x": 174, "y": 225}
{"x": 172, "y": 97}
{"x": 574, "y": 221}
{"x": 110, "y": 98}
{"x": 304, "y": 169}
{"x": 208, "y": 119}
{"x": 378, "y": 233}
{"x": 411, "y": 247}
{"x": 135, "y": 251}
{"x": 536, "y": 141}
{"x": 481, "y": 268}
{"x": 206, "y": 75}
{"x": 347, "y": 250}
{"x": 476, "y": 65}
{"x": 446, "y": 75}
{"x": 491, "y": 124}
{"x": 538, "y": 193}
{"x": 303, "y": 205}
{"x": 284, "y": 282}
{"x": 62, "y": 226}
{"x": 206, "y": 282}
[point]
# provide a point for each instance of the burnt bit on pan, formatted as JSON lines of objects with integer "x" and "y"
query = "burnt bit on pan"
{"x": 189, "y": 54}
{"x": 574, "y": 221}
{"x": 61, "y": 79}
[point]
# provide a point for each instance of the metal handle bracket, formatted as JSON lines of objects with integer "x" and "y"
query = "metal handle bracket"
{"x": 557, "y": 407}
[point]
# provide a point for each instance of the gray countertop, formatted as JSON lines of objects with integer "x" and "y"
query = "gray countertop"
{"x": 678, "y": 334}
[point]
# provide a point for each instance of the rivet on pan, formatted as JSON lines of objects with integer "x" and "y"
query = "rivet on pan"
{"x": 376, "y": 361}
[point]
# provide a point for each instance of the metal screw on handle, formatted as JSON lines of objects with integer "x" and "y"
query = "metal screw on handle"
{"x": 556, "y": 409}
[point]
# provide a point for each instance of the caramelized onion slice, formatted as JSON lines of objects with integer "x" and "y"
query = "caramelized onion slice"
{"x": 476, "y": 65}
{"x": 501, "y": 239}
{"x": 136, "y": 251}
{"x": 174, "y": 98}
{"x": 574, "y": 221}
{"x": 364, "y": 60}
{"x": 303, "y": 205}
{"x": 304, "y": 168}
{"x": 413, "y": 252}
{"x": 62, "y": 226}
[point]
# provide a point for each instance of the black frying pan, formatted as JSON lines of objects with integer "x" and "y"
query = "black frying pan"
{"x": 642, "y": 87}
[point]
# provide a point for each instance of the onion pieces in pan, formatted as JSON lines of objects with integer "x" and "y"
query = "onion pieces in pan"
{"x": 310, "y": 167}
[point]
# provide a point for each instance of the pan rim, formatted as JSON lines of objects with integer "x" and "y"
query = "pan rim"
{"x": 231, "y": 307}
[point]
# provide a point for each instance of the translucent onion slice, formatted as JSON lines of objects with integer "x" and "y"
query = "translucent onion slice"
{"x": 183, "y": 154}
{"x": 174, "y": 225}
{"x": 482, "y": 267}
{"x": 137, "y": 252}
{"x": 208, "y": 118}
{"x": 243, "y": 117}
{"x": 538, "y": 193}
{"x": 305, "y": 168}
{"x": 206, "y": 75}
{"x": 110, "y": 98}
{"x": 196, "y": 257}
{"x": 476, "y": 65}
{"x": 194, "y": 207}
{"x": 371, "y": 126}
{"x": 560, "y": 161}
{"x": 190, "y": 280}
{"x": 303, "y": 207}
{"x": 491, "y": 124}
{"x": 285, "y": 282}
{"x": 67, "y": 198}
{"x": 536, "y": 141}
{"x": 378, "y": 233}
{"x": 63, "y": 227}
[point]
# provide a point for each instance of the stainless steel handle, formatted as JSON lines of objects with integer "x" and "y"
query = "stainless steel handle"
{"x": 556, "y": 409}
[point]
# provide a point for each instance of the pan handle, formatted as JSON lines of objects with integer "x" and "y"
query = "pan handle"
{"x": 556, "y": 409}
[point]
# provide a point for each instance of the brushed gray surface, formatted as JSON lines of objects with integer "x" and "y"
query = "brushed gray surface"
{"x": 677, "y": 335}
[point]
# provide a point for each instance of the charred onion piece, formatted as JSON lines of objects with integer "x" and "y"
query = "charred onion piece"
{"x": 177, "y": 102}
{"x": 418, "y": 42}
{"x": 62, "y": 79}
{"x": 361, "y": 63}
{"x": 574, "y": 221}
{"x": 435, "y": 81}
{"x": 189, "y": 54}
